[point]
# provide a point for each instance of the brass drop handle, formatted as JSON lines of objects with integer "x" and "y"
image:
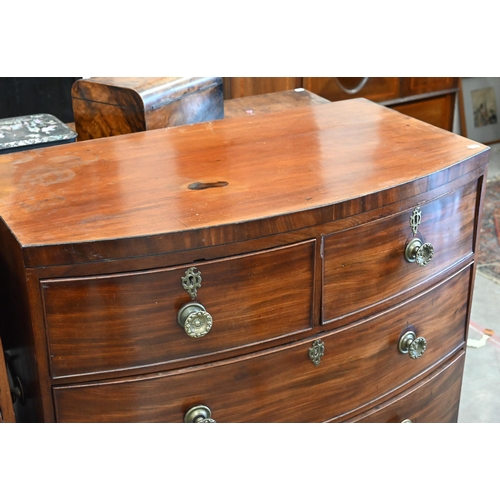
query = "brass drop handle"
{"x": 199, "y": 415}
{"x": 412, "y": 345}
{"x": 195, "y": 319}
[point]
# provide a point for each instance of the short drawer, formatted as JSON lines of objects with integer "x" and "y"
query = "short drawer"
{"x": 420, "y": 85}
{"x": 435, "y": 400}
{"x": 364, "y": 266}
{"x": 359, "y": 365}
{"x": 105, "y": 323}
{"x": 436, "y": 110}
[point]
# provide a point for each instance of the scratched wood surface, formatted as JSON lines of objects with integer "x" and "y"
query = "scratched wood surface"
{"x": 277, "y": 165}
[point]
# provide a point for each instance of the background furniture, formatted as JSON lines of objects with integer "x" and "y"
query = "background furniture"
{"x": 430, "y": 99}
{"x": 306, "y": 227}
{"x": 104, "y": 107}
{"x": 269, "y": 103}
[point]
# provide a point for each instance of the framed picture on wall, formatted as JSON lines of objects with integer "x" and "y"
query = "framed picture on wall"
{"x": 479, "y": 107}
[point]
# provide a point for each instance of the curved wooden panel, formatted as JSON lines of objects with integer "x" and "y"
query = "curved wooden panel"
{"x": 360, "y": 364}
{"x": 109, "y": 323}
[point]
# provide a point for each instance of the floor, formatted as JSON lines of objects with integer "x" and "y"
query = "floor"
{"x": 480, "y": 399}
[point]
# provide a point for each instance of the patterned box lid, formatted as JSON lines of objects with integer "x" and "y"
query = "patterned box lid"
{"x": 30, "y": 131}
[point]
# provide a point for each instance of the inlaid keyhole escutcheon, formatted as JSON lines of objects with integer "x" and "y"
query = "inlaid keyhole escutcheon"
{"x": 416, "y": 250}
{"x": 317, "y": 351}
{"x": 191, "y": 281}
{"x": 195, "y": 319}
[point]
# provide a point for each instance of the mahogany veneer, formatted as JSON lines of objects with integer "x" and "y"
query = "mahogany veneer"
{"x": 298, "y": 222}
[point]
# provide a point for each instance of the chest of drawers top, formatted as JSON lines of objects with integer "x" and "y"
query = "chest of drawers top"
{"x": 221, "y": 182}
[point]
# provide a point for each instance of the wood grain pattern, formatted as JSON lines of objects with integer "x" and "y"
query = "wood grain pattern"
{"x": 374, "y": 253}
{"x": 283, "y": 385}
{"x": 235, "y": 87}
{"x": 423, "y": 85}
{"x": 136, "y": 186}
{"x": 124, "y": 321}
{"x": 430, "y": 99}
{"x": 105, "y": 107}
{"x": 270, "y": 103}
{"x": 377, "y": 89}
{"x": 95, "y": 236}
{"x": 435, "y": 400}
{"x": 438, "y": 110}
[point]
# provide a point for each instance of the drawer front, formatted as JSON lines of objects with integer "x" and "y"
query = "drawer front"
{"x": 437, "y": 111}
{"x": 360, "y": 364}
{"x": 435, "y": 400}
{"x": 116, "y": 322}
{"x": 365, "y": 265}
{"x": 336, "y": 89}
{"x": 420, "y": 85}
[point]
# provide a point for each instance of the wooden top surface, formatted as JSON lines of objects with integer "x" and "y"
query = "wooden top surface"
{"x": 265, "y": 166}
{"x": 270, "y": 103}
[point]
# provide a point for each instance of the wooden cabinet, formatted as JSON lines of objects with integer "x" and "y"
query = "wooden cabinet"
{"x": 310, "y": 265}
{"x": 430, "y": 99}
{"x": 236, "y": 86}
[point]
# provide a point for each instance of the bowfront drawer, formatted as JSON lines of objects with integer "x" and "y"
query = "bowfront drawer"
{"x": 114, "y": 322}
{"x": 366, "y": 265}
{"x": 357, "y": 366}
{"x": 435, "y": 400}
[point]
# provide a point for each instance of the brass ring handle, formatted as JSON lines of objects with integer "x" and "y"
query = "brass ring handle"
{"x": 354, "y": 90}
{"x": 418, "y": 251}
{"x": 199, "y": 415}
{"x": 412, "y": 345}
{"x": 195, "y": 319}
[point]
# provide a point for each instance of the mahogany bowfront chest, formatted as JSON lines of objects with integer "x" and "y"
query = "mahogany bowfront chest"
{"x": 310, "y": 265}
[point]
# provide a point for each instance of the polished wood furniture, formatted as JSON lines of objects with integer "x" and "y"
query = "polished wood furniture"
{"x": 256, "y": 269}
{"x": 270, "y": 103}
{"x": 430, "y": 99}
{"x": 105, "y": 107}
{"x": 235, "y": 87}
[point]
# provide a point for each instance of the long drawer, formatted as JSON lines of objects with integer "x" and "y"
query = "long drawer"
{"x": 366, "y": 265}
{"x": 106, "y": 323}
{"x": 435, "y": 400}
{"x": 359, "y": 365}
